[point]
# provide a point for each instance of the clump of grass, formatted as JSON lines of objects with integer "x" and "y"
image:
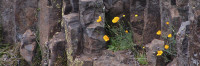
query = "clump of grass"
{"x": 120, "y": 37}
{"x": 141, "y": 58}
{"x": 38, "y": 56}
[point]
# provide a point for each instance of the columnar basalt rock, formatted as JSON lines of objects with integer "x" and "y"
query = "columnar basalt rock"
{"x": 57, "y": 48}
{"x": 137, "y": 8}
{"x": 182, "y": 38}
{"x": 74, "y": 33}
{"x": 194, "y": 42}
{"x": 152, "y": 22}
{"x": 50, "y": 17}
{"x": 8, "y": 20}
{"x": 165, "y": 13}
{"x": 26, "y": 15}
{"x": 93, "y": 31}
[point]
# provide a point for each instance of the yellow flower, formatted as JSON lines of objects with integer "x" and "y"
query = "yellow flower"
{"x": 159, "y": 32}
{"x": 99, "y": 20}
{"x": 166, "y": 46}
{"x": 106, "y": 38}
{"x": 159, "y": 53}
{"x": 136, "y": 15}
{"x": 115, "y": 20}
{"x": 126, "y": 31}
{"x": 167, "y": 23}
{"x": 143, "y": 47}
{"x": 170, "y": 35}
{"x": 123, "y": 15}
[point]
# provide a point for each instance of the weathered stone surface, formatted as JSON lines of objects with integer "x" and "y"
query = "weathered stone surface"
{"x": 90, "y": 10}
{"x": 152, "y": 23}
{"x": 152, "y": 49}
{"x": 165, "y": 7}
{"x": 25, "y": 16}
{"x": 74, "y": 36}
{"x": 119, "y": 58}
{"x": 57, "y": 48}
{"x": 28, "y": 45}
{"x": 194, "y": 36}
{"x": 173, "y": 63}
{"x": 50, "y": 17}
{"x": 182, "y": 43}
{"x": 114, "y": 7}
{"x": 73, "y": 30}
{"x": 8, "y": 20}
{"x": 137, "y": 8}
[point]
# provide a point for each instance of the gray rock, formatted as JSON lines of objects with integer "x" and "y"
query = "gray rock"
{"x": 57, "y": 47}
{"x": 119, "y": 58}
{"x": 28, "y": 45}
{"x": 73, "y": 31}
{"x": 153, "y": 47}
{"x": 90, "y": 10}
{"x": 8, "y": 20}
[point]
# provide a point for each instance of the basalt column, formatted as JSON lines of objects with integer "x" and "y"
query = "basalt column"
{"x": 93, "y": 31}
{"x": 194, "y": 42}
{"x": 50, "y": 16}
{"x": 137, "y": 8}
{"x": 182, "y": 34}
{"x": 151, "y": 21}
{"x": 8, "y": 20}
{"x": 165, "y": 17}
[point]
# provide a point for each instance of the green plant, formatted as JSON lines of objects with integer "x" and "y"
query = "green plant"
{"x": 141, "y": 58}
{"x": 171, "y": 52}
{"x": 120, "y": 37}
{"x": 38, "y": 56}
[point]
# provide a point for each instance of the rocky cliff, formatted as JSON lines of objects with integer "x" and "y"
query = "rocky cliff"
{"x": 71, "y": 32}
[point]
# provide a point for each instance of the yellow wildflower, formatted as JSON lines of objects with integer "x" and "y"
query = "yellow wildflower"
{"x": 143, "y": 47}
{"x": 136, "y": 15}
{"x": 159, "y": 53}
{"x": 99, "y": 20}
{"x": 159, "y": 32}
{"x": 167, "y": 23}
{"x": 170, "y": 35}
{"x": 115, "y": 20}
{"x": 123, "y": 15}
{"x": 166, "y": 46}
{"x": 106, "y": 38}
{"x": 126, "y": 31}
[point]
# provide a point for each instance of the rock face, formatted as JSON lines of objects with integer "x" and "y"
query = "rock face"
{"x": 74, "y": 33}
{"x": 57, "y": 48}
{"x": 93, "y": 31}
{"x": 50, "y": 17}
{"x": 149, "y": 32}
{"x": 137, "y": 8}
{"x": 120, "y": 58}
{"x": 8, "y": 20}
{"x": 194, "y": 42}
{"x": 152, "y": 49}
{"x": 70, "y": 27}
{"x": 73, "y": 30}
{"x": 28, "y": 45}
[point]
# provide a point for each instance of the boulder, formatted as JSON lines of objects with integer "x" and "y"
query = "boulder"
{"x": 57, "y": 48}
{"x": 152, "y": 49}
{"x": 93, "y": 31}
{"x": 28, "y": 45}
